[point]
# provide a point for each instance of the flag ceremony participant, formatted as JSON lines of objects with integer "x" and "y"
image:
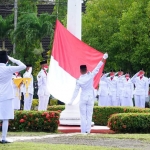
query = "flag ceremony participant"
{"x": 113, "y": 90}
{"x": 127, "y": 92}
{"x": 17, "y": 91}
{"x": 28, "y": 89}
{"x": 103, "y": 91}
{"x": 43, "y": 93}
{"x": 141, "y": 88}
{"x": 86, "y": 103}
{"x": 120, "y": 86}
{"x": 6, "y": 91}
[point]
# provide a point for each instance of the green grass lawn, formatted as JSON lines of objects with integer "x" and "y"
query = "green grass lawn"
{"x": 38, "y": 146}
{"x": 46, "y": 146}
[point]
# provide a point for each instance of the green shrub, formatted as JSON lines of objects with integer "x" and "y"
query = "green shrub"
{"x": 95, "y": 103}
{"x": 35, "y": 103}
{"x": 53, "y": 102}
{"x": 102, "y": 114}
{"x": 35, "y": 121}
{"x": 58, "y": 108}
{"x": 130, "y": 122}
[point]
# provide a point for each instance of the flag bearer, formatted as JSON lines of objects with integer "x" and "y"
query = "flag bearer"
{"x": 86, "y": 103}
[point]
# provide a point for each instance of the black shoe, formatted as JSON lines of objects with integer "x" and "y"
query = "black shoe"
{"x": 5, "y": 142}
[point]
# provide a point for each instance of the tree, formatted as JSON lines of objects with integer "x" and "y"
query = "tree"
{"x": 31, "y": 29}
{"x": 60, "y": 10}
{"x": 121, "y": 28}
{"x": 5, "y": 27}
{"x": 133, "y": 39}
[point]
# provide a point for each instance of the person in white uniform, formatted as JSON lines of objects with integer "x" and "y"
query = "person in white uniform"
{"x": 6, "y": 91}
{"x": 127, "y": 93}
{"x": 17, "y": 91}
{"x": 141, "y": 88}
{"x": 103, "y": 91}
{"x": 28, "y": 91}
{"x": 43, "y": 93}
{"x": 113, "y": 90}
{"x": 120, "y": 87}
{"x": 86, "y": 103}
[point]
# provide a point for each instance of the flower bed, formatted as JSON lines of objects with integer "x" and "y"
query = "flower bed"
{"x": 35, "y": 121}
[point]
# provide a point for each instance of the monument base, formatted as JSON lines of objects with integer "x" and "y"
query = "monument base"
{"x": 71, "y": 115}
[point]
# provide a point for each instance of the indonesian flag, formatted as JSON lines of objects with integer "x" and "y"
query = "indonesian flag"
{"x": 68, "y": 54}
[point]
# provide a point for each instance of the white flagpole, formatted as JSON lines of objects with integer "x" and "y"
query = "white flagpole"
{"x": 71, "y": 114}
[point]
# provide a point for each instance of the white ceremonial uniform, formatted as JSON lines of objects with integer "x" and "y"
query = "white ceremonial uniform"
{"x": 6, "y": 88}
{"x": 43, "y": 93}
{"x": 141, "y": 90}
{"x": 103, "y": 91}
{"x": 120, "y": 89}
{"x": 17, "y": 92}
{"x": 127, "y": 93}
{"x": 7, "y": 93}
{"x": 86, "y": 103}
{"x": 113, "y": 91}
{"x": 28, "y": 92}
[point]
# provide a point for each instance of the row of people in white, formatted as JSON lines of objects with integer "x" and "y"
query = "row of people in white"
{"x": 119, "y": 91}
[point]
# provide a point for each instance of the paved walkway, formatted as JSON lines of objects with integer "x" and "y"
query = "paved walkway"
{"x": 24, "y": 138}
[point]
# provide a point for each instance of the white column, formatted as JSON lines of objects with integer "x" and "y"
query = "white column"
{"x": 74, "y": 13}
{"x": 71, "y": 114}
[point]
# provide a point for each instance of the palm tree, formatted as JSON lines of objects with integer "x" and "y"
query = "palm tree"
{"x": 31, "y": 29}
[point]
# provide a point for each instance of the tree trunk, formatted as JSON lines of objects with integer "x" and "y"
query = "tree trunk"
{"x": 3, "y": 44}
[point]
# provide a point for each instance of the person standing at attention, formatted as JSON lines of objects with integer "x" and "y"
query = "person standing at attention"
{"x": 28, "y": 91}
{"x": 43, "y": 93}
{"x": 86, "y": 103}
{"x": 6, "y": 91}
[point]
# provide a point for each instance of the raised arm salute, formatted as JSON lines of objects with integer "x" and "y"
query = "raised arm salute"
{"x": 6, "y": 90}
{"x": 86, "y": 103}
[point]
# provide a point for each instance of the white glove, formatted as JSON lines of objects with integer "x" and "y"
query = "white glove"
{"x": 105, "y": 56}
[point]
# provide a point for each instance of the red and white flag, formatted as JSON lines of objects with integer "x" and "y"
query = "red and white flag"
{"x": 68, "y": 54}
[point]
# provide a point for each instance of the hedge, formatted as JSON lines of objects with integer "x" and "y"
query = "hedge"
{"x": 102, "y": 114}
{"x": 35, "y": 121}
{"x": 130, "y": 122}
